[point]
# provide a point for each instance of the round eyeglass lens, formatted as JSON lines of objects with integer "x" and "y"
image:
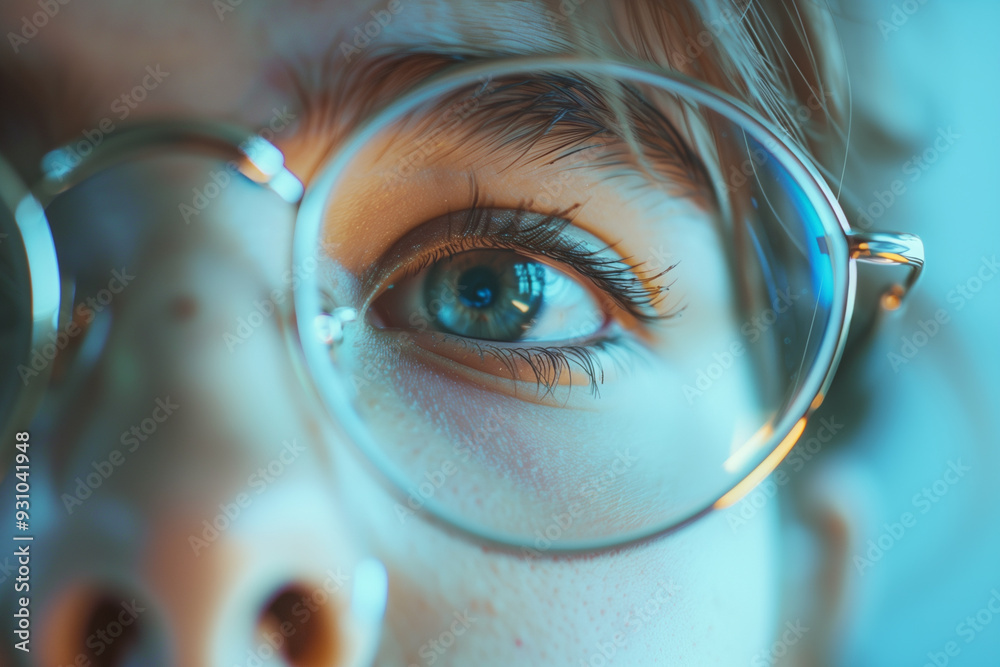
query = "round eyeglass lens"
{"x": 29, "y": 300}
{"x": 563, "y": 305}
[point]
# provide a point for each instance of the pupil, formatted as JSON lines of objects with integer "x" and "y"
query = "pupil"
{"x": 477, "y": 287}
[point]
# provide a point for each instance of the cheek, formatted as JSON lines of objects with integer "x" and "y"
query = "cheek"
{"x": 725, "y": 592}
{"x": 707, "y": 594}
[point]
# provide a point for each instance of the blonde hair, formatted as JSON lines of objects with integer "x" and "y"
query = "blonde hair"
{"x": 780, "y": 57}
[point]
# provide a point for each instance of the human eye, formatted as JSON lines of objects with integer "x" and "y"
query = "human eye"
{"x": 531, "y": 296}
{"x": 586, "y": 256}
{"x": 505, "y": 240}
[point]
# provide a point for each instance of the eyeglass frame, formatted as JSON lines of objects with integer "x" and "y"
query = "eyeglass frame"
{"x": 262, "y": 162}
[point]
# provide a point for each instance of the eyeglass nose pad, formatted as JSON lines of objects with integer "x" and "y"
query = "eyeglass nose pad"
{"x": 330, "y": 325}
{"x": 890, "y": 248}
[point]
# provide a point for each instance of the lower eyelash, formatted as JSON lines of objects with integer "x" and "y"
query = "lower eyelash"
{"x": 548, "y": 364}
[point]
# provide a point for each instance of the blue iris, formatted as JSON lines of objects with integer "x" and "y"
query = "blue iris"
{"x": 485, "y": 294}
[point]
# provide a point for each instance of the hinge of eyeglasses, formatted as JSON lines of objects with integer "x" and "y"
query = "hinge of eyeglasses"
{"x": 890, "y": 248}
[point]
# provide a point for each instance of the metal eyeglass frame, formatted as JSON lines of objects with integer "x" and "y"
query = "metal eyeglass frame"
{"x": 262, "y": 162}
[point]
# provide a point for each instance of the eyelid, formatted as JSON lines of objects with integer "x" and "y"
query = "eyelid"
{"x": 545, "y": 237}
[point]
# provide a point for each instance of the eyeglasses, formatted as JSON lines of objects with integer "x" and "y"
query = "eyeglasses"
{"x": 559, "y": 305}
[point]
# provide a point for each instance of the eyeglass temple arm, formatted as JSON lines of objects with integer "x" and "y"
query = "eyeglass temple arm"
{"x": 890, "y": 248}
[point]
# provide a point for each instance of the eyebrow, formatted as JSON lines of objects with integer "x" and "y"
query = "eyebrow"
{"x": 541, "y": 119}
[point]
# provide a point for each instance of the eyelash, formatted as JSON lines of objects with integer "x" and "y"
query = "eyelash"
{"x": 548, "y": 364}
{"x": 625, "y": 283}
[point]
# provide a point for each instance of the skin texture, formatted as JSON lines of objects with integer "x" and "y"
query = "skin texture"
{"x": 705, "y": 595}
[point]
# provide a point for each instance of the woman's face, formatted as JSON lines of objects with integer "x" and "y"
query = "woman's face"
{"x": 200, "y": 419}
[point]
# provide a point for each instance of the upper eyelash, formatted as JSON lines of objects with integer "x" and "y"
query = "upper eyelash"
{"x": 627, "y": 285}
{"x": 623, "y": 281}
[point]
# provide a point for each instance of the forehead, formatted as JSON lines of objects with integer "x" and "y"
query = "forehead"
{"x": 229, "y": 58}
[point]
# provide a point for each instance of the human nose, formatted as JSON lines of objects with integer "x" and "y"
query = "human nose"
{"x": 197, "y": 520}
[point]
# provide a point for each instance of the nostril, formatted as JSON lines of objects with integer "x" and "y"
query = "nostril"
{"x": 97, "y": 629}
{"x": 112, "y": 632}
{"x": 299, "y": 628}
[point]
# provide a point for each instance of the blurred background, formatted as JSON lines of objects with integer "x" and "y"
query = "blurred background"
{"x": 924, "y": 78}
